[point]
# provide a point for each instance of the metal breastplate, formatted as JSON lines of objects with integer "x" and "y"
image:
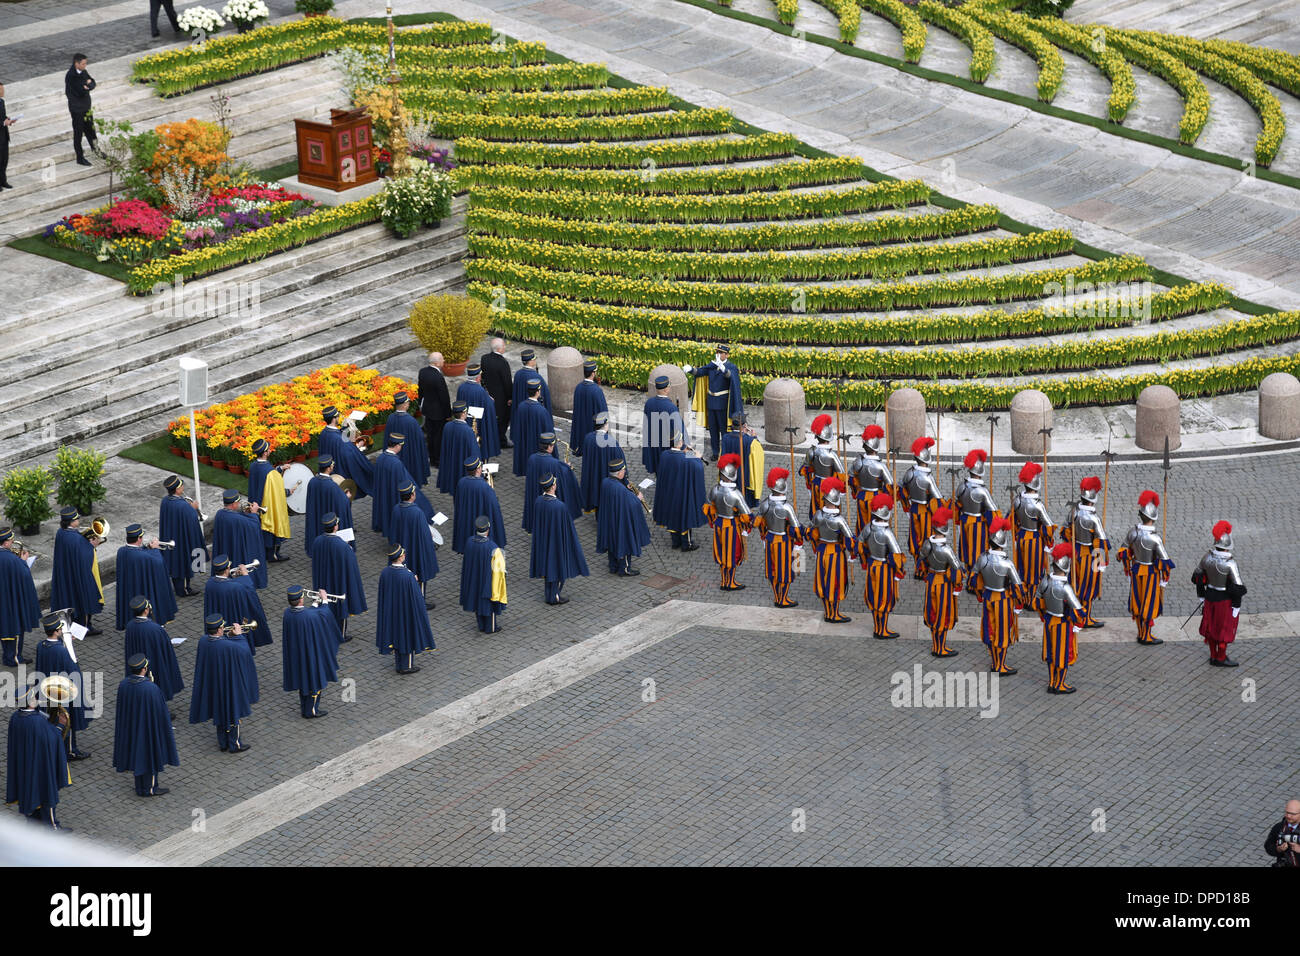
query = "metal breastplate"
{"x": 824, "y": 461}
{"x": 919, "y": 485}
{"x": 880, "y": 541}
{"x": 1085, "y": 525}
{"x": 1056, "y": 596}
{"x": 1030, "y": 515}
{"x": 831, "y": 527}
{"x": 728, "y": 501}
{"x": 1220, "y": 568}
{"x": 777, "y": 515}
{"x": 1145, "y": 545}
{"x": 872, "y": 475}
{"x": 974, "y": 498}
{"x": 995, "y": 571}
{"x": 937, "y": 555}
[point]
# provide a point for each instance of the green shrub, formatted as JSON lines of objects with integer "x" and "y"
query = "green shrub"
{"x": 26, "y": 493}
{"x": 79, "y": 471}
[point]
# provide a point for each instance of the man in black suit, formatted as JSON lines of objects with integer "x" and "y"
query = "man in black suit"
{"x": 434, "y": 403}
{"x": 500, "y": 384}
{"x": 167, "y": 5}
{"x": 1283, "y": 843}
{"x": 5, "y": 123}
{"x": 77, "y": 84}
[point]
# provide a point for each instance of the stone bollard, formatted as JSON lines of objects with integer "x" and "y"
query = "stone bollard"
{"x": 563, "y": 373}
{"x": 677, "y": 390}
{"x": 1279, "y": 406}
{"x": 1031, "y": 411}
{"x": 1157, "y": 418}
{"x": 906, "y": 417}
{"x": 783, "y": 407}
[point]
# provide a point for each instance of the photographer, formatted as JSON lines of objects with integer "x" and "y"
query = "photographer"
{"x": 1283, "y": 841}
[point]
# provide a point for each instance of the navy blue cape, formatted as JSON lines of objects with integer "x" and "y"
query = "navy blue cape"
{"x": 52, "y": 657}
{"x": 390, "y": 475}
{"x": 323, "y": 496}
{"x": 620, "y": 527}
{"x": 309, "y": 646}
{"x": 474, "y": 497}
{"x": 334, "y": 567}
{"x": 414, "y": 453}
{"x": 410, "y": 528}
{"x": 458, "y": 444}
{"x": 257, "y": 472}
{"x": 143, "y": 739}
{"x": 566, "y": 485}
{"x": 659, "y": 421}
{"x": 349, "y": 461}
{"x": 519, "y": 394}
{"x": 403, "y": 625}
{"x": 236, "y": 600}
{"x": 143, "y": 571}
{"x": 530, "y": 422}
{"x": 179, "y": 522}
{"x": 588, "y": 399}
{"x": 225, "y": 681}
{"x": 37, "y": 762}
{"x": 476, "y": 577}
{"x": 239, "y": 537}
{"x": 489, "y": 437}
{"x": 556, "y": 552}
{"x": 148, "y": 637}
{"x": 679, "y": 494}
{"x": 598, "y": 450}
{"x": 73, "y": 583}
{"x": 20, "y": 609}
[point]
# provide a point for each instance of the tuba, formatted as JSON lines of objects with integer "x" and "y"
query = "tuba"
{"x": 353, "y": 436}
{"x": 56, "y": 694}
{"x": 564, "y": 449}
{"x": 99, "y": 528}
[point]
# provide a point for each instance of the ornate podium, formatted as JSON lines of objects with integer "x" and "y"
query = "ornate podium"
{"x": 336, "y": 155}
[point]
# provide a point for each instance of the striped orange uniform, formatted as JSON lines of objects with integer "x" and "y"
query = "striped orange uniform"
{"x": 728, "y": 542}
{"x": 922, "y": 526}
{"x": 941, "y": 606}
{"x": 1084, "y": 576}
{"x": 1031, "y": 554}
{"x": 1146, "y": 596}
{"x": 778, "y": 550}
{"x": 815, "y": 496}
{"x": 881, "y": 588}
{"x": 1060, "y": 648}
{"x": 999, "y": 626}
{"x": 974, "y": 539}
{"x": 863, "y": 500}
{"x": 833, "y": 575}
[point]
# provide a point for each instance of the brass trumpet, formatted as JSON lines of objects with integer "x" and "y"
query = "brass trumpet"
{"x": 202, "y": 516}
{"x": 328, "y": 599}
{"x": 99, "y": 528}
{"x": 229, "y": 629}
{"x": 353, "y": 435}
{"x": 17, "y": 548}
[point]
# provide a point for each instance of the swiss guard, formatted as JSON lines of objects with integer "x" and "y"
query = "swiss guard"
{"x": 414, "y": 452}
{"x": 233, "y": 596}
{"x": 483, "y": 578}
{"x": 474, "y": 395}
{"x": 225, "y": 682}
{"x": 752, "y": 464}
{"x": 730, "y": 517}
{"x": 599, "y": 448}
{"x": 777, "y": 522}
{"x": 1062, "y": 615}
{"x": 309, "y": 648}
{"x": 884, "y": 564}
{"x": 141, "y": 570}
{"x": 411, "y": 530}
{"x": 943, "y": 581}
{"x": 716, "y": 395}
{"x": 921, "y": 496}
{"x": 324, "y": 495}
{"x": 530, "y": 421}
{"x": 621, "y": 530}
{"x": 820, "y": 463}
{"x": 519, "y": 389}
{"x": 178, "y": 521}
{"x": 998, "y": 587}
{"x": 349, "y": 460}
{"x": 1148, "y": 567}
{"x": 975, "y": 506}
{"x": 475, "y": 497}
{"x": 588, "y": 402}
{"x": 143, "y": 740}
{"x": 390, "y": 477}
{"x": 75, "y": 583}
{"x": 20, "y": 609}
{"x": 403, "y": 628}
{"x": 556, "y": 554}
{"x": 543, "y": 462}
{"x": 147, "y": 637}
{"x": 458, "y": 443}
{"x": 55, "y": 655}
{"x": 1034, "y": 528}
{"x": 835, "y": 547}
{"x": 266, "y": 490}
{"x": 1218, "y": 583}
{"x": 37, "y": 765}
{"x": 679, "y": 499}
{"x": 1083, "y": 530}
{"x": 334, "y": 569}
{"x": 660, "y": 420}
{"x": 238, "y": 535}
{"x": 869, "y": 475}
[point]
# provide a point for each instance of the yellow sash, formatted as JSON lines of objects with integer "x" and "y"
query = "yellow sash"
{"x": 275, "y": 518}
{"x": 756, "y": 470}
{"x": 700, "y": 398}
{"x": 499, "y": 576}
{"x": 94, "y": 572}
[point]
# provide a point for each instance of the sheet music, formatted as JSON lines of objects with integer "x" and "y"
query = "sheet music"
{"x": 31, "y": 560}
{"x": 476, "y": 411}
{"x": 347, "y": 534}
{"x": 78, "y": 631}
{"x": 440, "y": 519}
{"x": 646, "y": 483}
{"x": 177, "y": 641}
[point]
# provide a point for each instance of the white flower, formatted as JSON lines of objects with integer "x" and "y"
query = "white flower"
{"x": 200, "y": 20}
{"x": 245, "y": 11}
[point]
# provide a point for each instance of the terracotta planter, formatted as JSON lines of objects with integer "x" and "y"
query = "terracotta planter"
{"x": 452, "y": 369}
{"x": 299, "y": 457}
{"x": 312, "y": 16}
{"x": 188, "y": 456}
{"x": 219, "y": 465}
{"x": 314, "y": 453}
{"x": 236, "y": 469}
{"x": 205, "y": 459}
{"x": 175, "y": 450}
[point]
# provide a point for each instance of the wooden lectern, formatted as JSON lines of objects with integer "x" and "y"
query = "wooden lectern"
{"x": 336, "y": 155}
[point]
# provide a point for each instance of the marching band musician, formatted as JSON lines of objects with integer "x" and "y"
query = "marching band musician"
{"x": 943, "y": 583}
{"x": 413, "y": 451}
{"x": 884, "y": 564}
{"x": 238, "y": 534}
{"x": 777, "y": 522}
{"x": 820, "y": 463}
{"x": 1148, "y": 568}
{"x": 37, "y": 763}
{"x": 519, "y": 390}
{"x": 660, "y": 420}
{"x": 730, "y": 517}
{"x": 544, "y": 462}
{"x": 975, "y": 506}
{"x": 231, "y": 593}
{"x": 716, "y": 395}
{"x": 621, "y": 530}
{"x": 349, "y": 460}
{"x": 1001, "y": 593}
{"x": 403, "y": 627}
{"x": 146, "y": 636}
{"x": 835, "y": 546}
{"x": 1083, "y": 530}
{"x": 334, "y": 569}
{"x": 1062, "y": 614}
{"x": 266, "y": 490}
{"x": 556, "y": 554}
{"x": 410, "y": 529}
{"x": 390, "y": 477}
{"x": 458, "y": 443}
{"x": 55, "y": 656}
{"x": 20, "y": 609}
{"x": 483, "y": 578}
{"x": 921, "y": 496}
{"x": 744, "y": 443}
{"x": 143, "y": 739}
{"x": 588, "y": 402}
{"x": 530, "y": 420}
{"x": 679, "y": 502}
{"x": 142, "y": 570}
{"x": 475, "y": 498}
{"x": 323, "y": 496}
{"x": 178, "y": 521}
{"x": 309, "y": 648}
{"x": 225, "y": 682}
{"x": 474, "y": 395}
{"x": 869, "y": 475}
{"x": 1218, "y": 583}
{"x": 599, "y": 448}
{"x": 1034, "y": 528}
{"x": 75, "y": 583}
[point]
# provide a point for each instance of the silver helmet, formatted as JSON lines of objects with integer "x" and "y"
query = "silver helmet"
{"x": 1223, "y": 536}
{"x": 921, "y": 451}
{"x": 873, "y": 439}
{"x": 1000, "y": 533}
{"x": 882, "y": 506}
{"x": 1061, "y": 556}
{"x": 780, "y": 485}
{"x": 728, "y": 467}
{"x": 833, "y": 497}
{"x": 823, "y": 427}
{"x": 1089, "y": 488}
{"x": 1149, "y": 505}
{"x": 1031, "y": 476}
{"x": 974, "y": 462}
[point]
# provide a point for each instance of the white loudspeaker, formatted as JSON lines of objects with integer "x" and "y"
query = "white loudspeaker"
{"x": 194, "y": 381}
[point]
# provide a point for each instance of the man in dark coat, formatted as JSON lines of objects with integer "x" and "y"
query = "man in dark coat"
{"x": 598, "y": 449}
{"x": 334, "y": 569}
{"x": 458, "y": 443}
{"x": 680, "y": 495}
{"x": 178, "y": 522}
{"x": 309, "y": 645}
{"x": 231, "y": 593}
{"x": 435, "y": 404}
{"x": 143, "y": 740}
{"x": 225, "y": 682}
{"x": 75, "y": 583}
{"x": 403, "y": 627}
{"x": 20, "y": 609}
{"x": 5, "y": 122}
{"x": 499, "y": 382}
{"x": 543, "y": 462}
{"x": 238, "y": 535}
{"x": 475, "y": 497}
{"x": 391, "y": 476}
{"x": 660, "y": 420}
{"x": 556, "y": 552}
{"x": 37, "y": 764}
{"x": 483, "y": 578}
{"x": 621, "y": 531}
{"x": 414, "y": 454}
{"x": 410, "y": 528}
{"x": 148, "y": 637}
{"x": 54, "y": 655}
{"x": 1283, "y": 841}
{"x": 324, "y": 495}
{"x": 77, "y": 84}
{"x": 588, "y": 401}
{"x": 349, "y": 460}
{"x": 531, "y": 420}
{"x": 141, "y": 570}
{"x": 519, "y": 390}
{"x": 170, "y": 8}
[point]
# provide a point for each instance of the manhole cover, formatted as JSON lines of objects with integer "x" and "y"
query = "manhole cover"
{"x": 662, "y": 582}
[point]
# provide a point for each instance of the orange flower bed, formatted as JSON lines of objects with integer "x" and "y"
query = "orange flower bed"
{"x": 288, "y": 415}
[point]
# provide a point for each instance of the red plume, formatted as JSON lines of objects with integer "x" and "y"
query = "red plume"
{"x": 881, "y": 500}
{"x": 999, "y": 524}
{"x": 1148, "y": 497}
{"x": 1062, "y": 550}
{"x": 820, "y": 422}
{"x": 921, "y": 444}
{"x": 977, "y": 454}
{"x": 831, "y": 484}
{"x": 1091, "y": 483}
{"x": 1030, "y": 472}
{"x": 941, "y": 517}
{"x": 1220, "y": 529}
{"x": 726, "y": 460}
{"x": 873, "y": 431}
{"x": 774, "y": 474}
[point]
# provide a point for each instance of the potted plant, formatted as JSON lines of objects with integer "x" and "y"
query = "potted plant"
{"x": 200, "y": 23}
{"x": 26, "y": 493}
{"x": 79, "y": 471}
{"x": 422, "y": 197}
{"x": 218, "y": 455}
{"x": 313, "y": 8}
{"x": 245, "y": 14}
{"x": 451, "y": 324}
